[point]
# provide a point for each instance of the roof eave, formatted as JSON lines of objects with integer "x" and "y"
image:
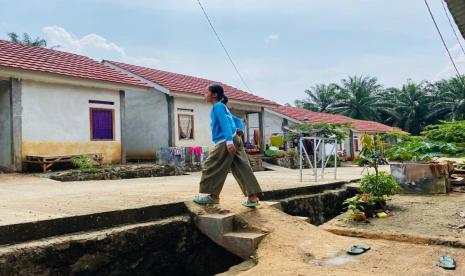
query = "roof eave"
{"x": 199, "y": 96}
{"x": 457, "y": 9}
{"x": 40, "y": 76}
{"x": 283, "y": 116}
{"x": 154, "y": 85}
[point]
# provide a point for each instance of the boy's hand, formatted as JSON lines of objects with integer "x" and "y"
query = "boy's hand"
{"x": 240, "y": 133}
{"x": 231, "y": 148}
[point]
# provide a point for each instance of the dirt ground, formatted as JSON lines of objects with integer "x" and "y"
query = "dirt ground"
{"x": 294, "y": 247}
{"x": 429, "y": 216}
{"x": 25, "y": 198}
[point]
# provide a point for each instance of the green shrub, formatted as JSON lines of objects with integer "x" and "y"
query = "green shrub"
{"x": 84, "y": 163}
{"x": 379, "y": 185}
{"x": 337, "y": 130}
{"x": 355, "y": 209}
{"x": 446, "y": 132}
{"x": 423, "y": 150}
{"x": 292, "y": 153}
{"x": 279, "y": 154}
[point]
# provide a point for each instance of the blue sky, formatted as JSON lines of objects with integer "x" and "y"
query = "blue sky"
{"x": 280, "y": 47}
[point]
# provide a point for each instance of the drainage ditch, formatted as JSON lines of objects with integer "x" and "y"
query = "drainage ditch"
{"x": 168, "y": 246}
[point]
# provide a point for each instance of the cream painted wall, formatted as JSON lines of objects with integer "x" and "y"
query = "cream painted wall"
{"x": 272, "y": 124}
{"x": 201, "y": 112}
{"x": 146, "y": 124}
{"x": 56, "y": 119}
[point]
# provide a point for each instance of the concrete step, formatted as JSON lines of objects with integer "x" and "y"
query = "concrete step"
{"x": 242, "y": 244}
{"x": 306, "y": 219}
{"x": 215, "y": 226}
{"x": 274, "y": 204}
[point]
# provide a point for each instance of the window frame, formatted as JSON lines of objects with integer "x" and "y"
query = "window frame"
{"x": 91, "y": 109}
{"x": 356, "y": 144}
{"x": 179, "y": 126}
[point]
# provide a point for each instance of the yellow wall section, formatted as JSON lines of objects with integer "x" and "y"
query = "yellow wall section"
{"x": 111, "y": 150}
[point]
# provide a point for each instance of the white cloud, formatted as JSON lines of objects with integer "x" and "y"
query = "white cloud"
{"x": 271, "y": 38}
{"x": 92, "y": 45}
{"x": 449, "y": 71}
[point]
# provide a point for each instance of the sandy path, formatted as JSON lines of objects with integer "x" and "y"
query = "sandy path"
{"x": 294, "y": 247}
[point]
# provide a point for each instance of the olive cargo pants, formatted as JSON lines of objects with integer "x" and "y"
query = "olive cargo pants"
{"x": 217, "y": 165}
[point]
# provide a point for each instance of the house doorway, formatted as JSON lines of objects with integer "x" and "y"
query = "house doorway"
{"x": 6, "y": 160}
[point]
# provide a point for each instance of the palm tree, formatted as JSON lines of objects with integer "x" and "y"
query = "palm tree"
{"x": 386, "y": 99}
{"x": 357, "y": 98}
{"x": 27, "y": 40}
{"x": 320, "y": 98}
{"x": 409, "y": 109}
{"x": 450, "y": 99}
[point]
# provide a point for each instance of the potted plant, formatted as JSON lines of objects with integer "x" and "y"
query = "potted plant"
{"x": 355, "y": 208}
{"x": 380, "y": 184}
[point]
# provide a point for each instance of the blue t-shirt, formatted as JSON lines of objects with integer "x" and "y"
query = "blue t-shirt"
{"x": 222, "y": 124}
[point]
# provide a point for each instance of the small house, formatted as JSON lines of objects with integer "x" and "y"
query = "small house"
{"x": 287, "y": 115}
{"x": 177, "y": 113}
{"x": 54, "y": 103}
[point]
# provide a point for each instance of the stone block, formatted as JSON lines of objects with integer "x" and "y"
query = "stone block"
{"x": 242, "y": 244}
{"x": 421, "y": 178}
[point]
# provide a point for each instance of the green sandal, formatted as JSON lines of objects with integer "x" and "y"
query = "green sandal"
{"x": 358, "y": 249}
{"x": 250, "y": 204}
{"x": 446, "y": 262}
{"x": 205, "y": 200}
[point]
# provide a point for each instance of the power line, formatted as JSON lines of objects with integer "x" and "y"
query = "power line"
{"x": 452, "y": 26}
{"x": 224, "y": 47}
{"x": 442, "y": 39}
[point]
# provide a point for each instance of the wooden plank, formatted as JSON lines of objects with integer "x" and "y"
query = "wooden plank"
{"x": 48, "y": 161}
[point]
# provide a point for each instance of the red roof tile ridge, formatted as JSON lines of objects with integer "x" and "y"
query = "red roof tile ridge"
{"x": 173, "y": 79}
{"x": 25, "y": 57}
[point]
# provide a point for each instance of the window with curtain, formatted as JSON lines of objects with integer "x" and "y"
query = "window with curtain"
{"x": 356, "y": 148}
{"x": 186, "y": 126}
{"x": 102, "y": 124}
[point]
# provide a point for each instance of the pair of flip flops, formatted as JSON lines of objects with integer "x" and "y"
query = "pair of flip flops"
{"x": 446, "y": 262}
{"x": 358, "y": 249}
{"x": 250, "y": 204}
{"x": 208, "y": 200}
{"x": 205, "y": 200}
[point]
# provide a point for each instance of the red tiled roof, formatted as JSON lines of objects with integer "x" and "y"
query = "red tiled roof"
{"x": 187, "y": 84}
{"x": 300, "y": 114}
{"x": 370, "y": 126}
{"x": 23, "y": 57}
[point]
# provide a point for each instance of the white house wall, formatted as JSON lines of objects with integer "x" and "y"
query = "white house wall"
{"x": 147, "y": 126}
{"x": 56, "y": 120}
{"x": 201, "y": 112}
{"x": 5, "y": 125}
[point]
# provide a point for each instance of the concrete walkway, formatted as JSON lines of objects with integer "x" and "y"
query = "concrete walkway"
{"x": 25, "y": 198}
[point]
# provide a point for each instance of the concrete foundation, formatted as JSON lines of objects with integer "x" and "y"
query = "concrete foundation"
{"x": 421, "y": 178}
{"x": 171, "y": 246}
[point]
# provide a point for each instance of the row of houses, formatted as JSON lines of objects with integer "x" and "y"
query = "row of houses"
{"x": 54, "y": 103}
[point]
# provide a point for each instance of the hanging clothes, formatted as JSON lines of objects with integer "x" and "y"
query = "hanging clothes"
{"x": 308, "y": 144}
{"x": 256, "y": 137}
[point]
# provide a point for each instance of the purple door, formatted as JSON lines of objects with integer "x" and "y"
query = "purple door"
{"x": 102, "y": 124}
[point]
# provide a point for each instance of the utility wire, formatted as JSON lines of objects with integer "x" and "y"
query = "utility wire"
{"x": 443, "y": 42}
{"x": 222, "y": 45}
{"x": 452, "y": 26}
